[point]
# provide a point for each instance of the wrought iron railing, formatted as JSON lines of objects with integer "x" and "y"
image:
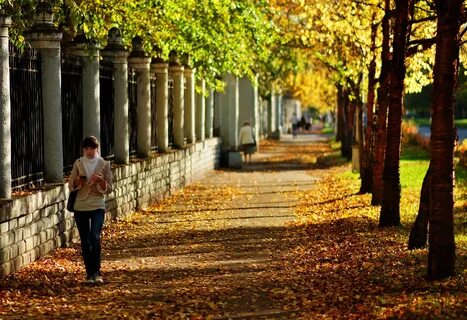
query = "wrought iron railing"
{"x": 106, "y": 96}
{"x": 170, "y": 111}
{"x": 72, "y": 109}
{"x": 27, "y": 134}
{"x": 154, "y": 146}
{"x": 132, "y": 110}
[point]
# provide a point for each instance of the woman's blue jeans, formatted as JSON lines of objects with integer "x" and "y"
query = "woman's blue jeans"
{"x": 89, "y": 225}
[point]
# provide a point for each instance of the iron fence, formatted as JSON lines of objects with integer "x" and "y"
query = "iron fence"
{"x": 170, "y": 111}
{"x": 106, "y": 94}
{"x": 132, "y": 110}
{"x": 27, "y": 134}
{"x": 154, "y": 146}
{"x": 72, "y": 109}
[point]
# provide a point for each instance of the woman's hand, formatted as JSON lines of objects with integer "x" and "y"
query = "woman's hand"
{"x": 98, "y": 178}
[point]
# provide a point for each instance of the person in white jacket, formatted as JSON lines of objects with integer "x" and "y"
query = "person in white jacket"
{"x": 92, "y": 177}
{"x": 247, "y": 141}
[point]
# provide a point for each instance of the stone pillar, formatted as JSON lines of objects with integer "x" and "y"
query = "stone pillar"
{"x": 189, "y": 101}
{"x": 200, "y": 113}
{"x": 209, "y": 115}
{"x": 45, "y": 37}
{"x": 271, "y": 115}
{"x": 139, "y": 60}
{"x": 116, "y": 53}
{"x": 229, "y": 113}
{"x": 278, "y": 117}
{"x": 161, "y": 70}
{"x": 249, "y": 104}
{"x": 91, "y": 86}
{"x": 5, "y": 109}
{"x": 177, "y": 73}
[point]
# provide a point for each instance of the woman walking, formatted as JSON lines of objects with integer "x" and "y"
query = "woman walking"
{"x": 247, "y": 141}
{"x": 92, "y": 177}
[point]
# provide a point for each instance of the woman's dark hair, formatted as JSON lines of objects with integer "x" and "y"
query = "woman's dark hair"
{"x": 90, "y": 142}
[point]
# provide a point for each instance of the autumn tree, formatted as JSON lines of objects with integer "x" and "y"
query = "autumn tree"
{"x": 441, "y": 254}
{"x": 390, "y": 215}
{"x": 220, "y": 36}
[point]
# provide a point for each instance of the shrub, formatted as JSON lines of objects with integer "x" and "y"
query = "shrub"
{"x": 411, "y": 136}
{"x": 461, "y": 152}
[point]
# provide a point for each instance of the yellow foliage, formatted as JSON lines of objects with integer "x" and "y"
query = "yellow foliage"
{"x": 313, "y": 89}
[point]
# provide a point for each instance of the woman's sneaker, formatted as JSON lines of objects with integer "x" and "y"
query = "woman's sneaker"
{"x": 89, "y": 280}
{"x": 98, "y": 279}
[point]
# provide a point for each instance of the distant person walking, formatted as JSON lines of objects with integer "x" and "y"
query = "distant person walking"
{"x": 92, "y": 177}
{"x": 294, "y": 122}
{"x": 247, "y": 141}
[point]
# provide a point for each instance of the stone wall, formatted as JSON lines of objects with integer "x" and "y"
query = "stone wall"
{"x": 33, "y": 225}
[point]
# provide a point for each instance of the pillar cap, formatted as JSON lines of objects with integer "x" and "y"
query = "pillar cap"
{"x": 160, "y": 68}
{"x": 114, "y": 40}
{"x": 82, "y": 46}
{"x": 186, "y": 61}
{"x": 173, "y": 58}
{"x": 115, "y": 49}
{"x": 137, "y": 46}
{"x": 5, "y": 20}
{"x": 158, "y": 55}
{"x": 44, "y": 34}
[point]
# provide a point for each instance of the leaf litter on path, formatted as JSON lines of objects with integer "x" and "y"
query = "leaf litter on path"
{"x": 192, "y": 257}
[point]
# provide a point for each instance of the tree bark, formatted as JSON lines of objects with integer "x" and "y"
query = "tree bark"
{"x": 382, "y": 109}
{"x": 340, "y": 114}
{"x": 368, "y": 147}
{"x": 441, "y": 253}
{"x": 390, "y": 209}
{"x": 419, "y": 232}
{"x": 345, "y": 123}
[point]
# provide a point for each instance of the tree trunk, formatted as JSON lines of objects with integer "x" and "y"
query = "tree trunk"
{"x": 359, "y": 133}
{"x": 382, "y": 109}
{"x": 441, "y": 253}
{"x": 349, "y": 118}
{"x": 368, "y": 148}
{"x": 340, "y": 114}
{"x": 343, "y": 108}
{"x": 419, "y": 231}
{"x": 390, "y": 209}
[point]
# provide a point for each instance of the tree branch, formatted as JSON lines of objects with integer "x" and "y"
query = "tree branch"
{"x": 430, "y": 18}
{"x": 413, "y": 46}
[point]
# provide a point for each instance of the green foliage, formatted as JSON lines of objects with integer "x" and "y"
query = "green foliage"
{"x": 220, "y": 35}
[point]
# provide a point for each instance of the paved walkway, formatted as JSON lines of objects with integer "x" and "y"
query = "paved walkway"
{"x": 207, "y": 253}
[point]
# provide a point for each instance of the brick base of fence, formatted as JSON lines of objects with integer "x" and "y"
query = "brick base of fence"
{"x": 31, "y": 226}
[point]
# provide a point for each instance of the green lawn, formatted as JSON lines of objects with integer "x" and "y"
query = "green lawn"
{"x": 414, "y": 163}
{"x": 413, "y": 166}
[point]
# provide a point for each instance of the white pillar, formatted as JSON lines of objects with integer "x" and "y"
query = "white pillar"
{"x": 141, "y": 62}
{"x": 5, "y": 110}
{"x": 177, "y": 73}
{"x": 271, "y": 115}
{"x": 249, "y": 104}
{"x": 209, "y": 114}
{"x": 189, "y": 104}
{"x": 278, "y": 116}
{"x": 162, "y": 104}
{"x": 200, "y": 112}
{"x": 116, "y": 53}
{"x": 45, "y": 37}
{"x": 229, "y": 113}
{"x": 91, "y": 89}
